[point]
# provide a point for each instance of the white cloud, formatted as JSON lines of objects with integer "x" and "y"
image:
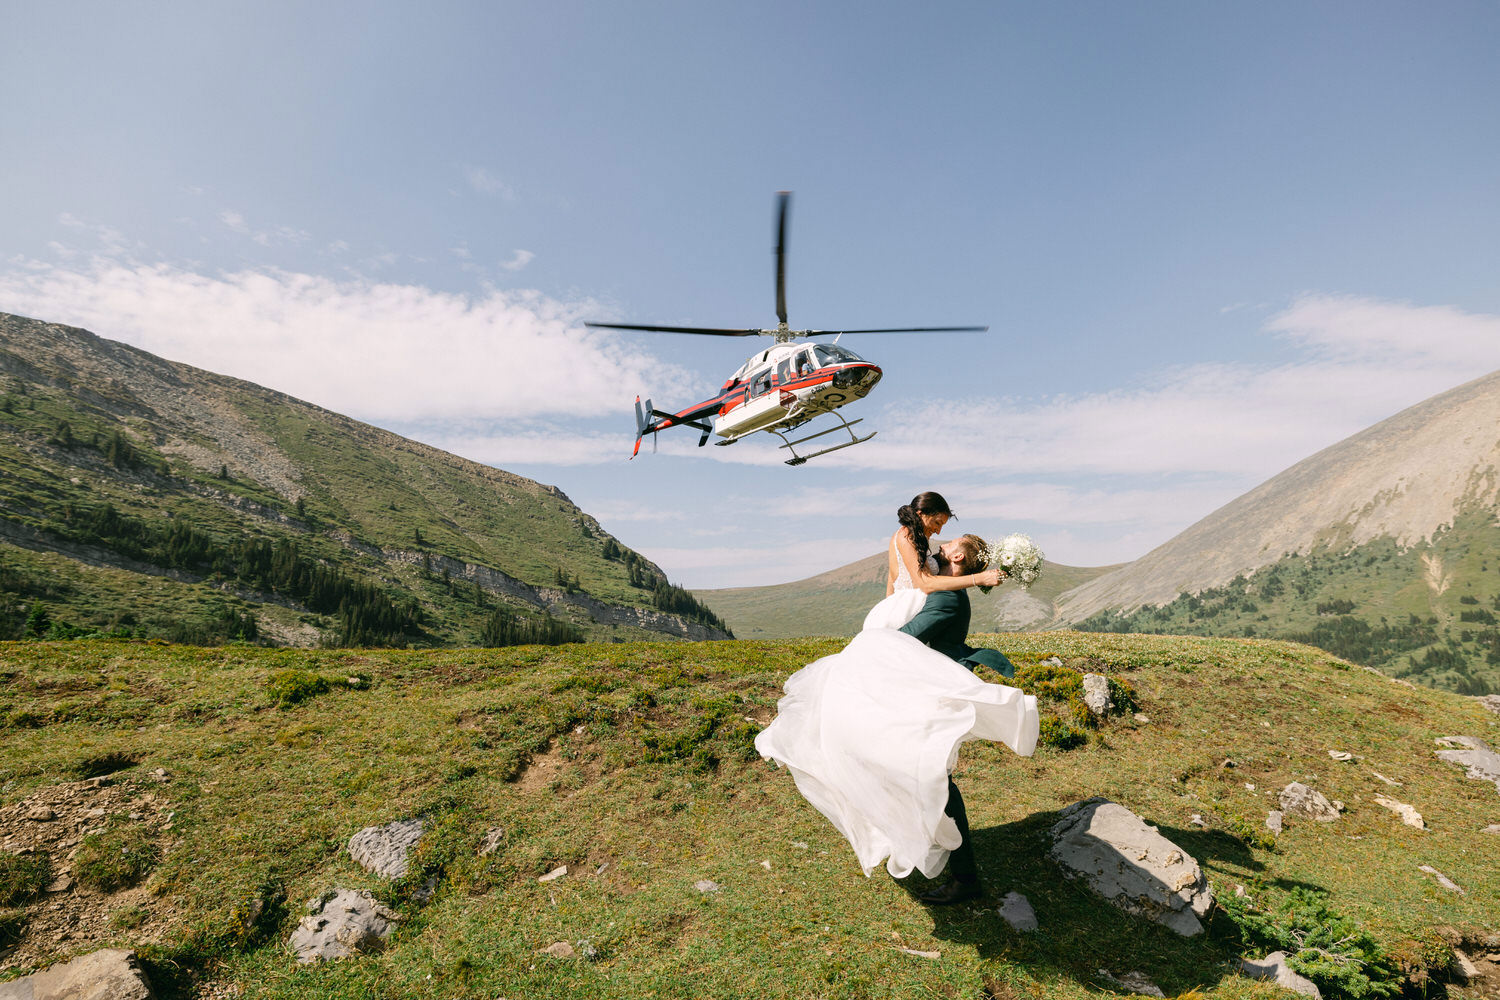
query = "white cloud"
{"x": 380, "y": 351}
{"x": 519, "y": 259}
{"x": 486, "y": 182}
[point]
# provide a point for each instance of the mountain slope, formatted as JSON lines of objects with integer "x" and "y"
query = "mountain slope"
{"x": 1405, "y": 478}
{"x": 835, "y": 602}
{"x": 118, "y": 460}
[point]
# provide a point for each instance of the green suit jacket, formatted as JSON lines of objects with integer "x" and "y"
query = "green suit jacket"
{"x": 943, "y": 624}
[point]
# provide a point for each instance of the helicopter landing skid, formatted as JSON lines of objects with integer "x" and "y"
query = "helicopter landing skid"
{"x": 847, "y": 425}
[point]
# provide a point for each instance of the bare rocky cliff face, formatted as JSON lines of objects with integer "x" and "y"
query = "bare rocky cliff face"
{"x": 1404, "y": 478}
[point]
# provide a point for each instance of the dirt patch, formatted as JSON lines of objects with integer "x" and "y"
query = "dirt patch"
{"x": 69, "y": 918}
{"x": 553, "y": 772}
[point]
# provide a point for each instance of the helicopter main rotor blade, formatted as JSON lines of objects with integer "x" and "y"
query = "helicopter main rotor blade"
{"x": 899, "y": 329}
{"x": 785, "y": 198}
{"x": 705, "y": 330}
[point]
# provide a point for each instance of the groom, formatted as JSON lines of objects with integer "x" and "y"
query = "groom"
{"x": 943, "y": 624}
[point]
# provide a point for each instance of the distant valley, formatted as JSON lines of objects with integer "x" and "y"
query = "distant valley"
{"x": 1383, "y": 548}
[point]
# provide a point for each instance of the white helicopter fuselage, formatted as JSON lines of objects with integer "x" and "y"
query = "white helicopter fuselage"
{"x": 789, "y": 384}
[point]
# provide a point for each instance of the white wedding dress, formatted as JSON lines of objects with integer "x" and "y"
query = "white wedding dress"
{"x": 872, "y": 732}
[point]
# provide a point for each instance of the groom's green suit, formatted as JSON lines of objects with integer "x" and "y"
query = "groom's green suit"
{"x": 943, "y": 624}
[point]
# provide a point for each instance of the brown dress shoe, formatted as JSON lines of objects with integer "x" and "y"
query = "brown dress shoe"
{"x": 950, "y": 892}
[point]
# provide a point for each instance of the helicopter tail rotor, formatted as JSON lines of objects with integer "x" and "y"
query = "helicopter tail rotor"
{"x": 642, "y": 422}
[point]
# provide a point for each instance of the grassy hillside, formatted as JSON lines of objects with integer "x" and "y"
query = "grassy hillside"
{"x": 632, "y": 765}
{"x": 1428, "y": 612}
{"x": 836, "y": 602}
{"x": 120, "y": 462}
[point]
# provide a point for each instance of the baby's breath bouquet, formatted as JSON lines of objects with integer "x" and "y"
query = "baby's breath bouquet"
{"x": 1018, "y": 556}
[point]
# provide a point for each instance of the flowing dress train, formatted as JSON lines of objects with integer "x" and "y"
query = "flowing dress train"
{"x": 871, "y": 733}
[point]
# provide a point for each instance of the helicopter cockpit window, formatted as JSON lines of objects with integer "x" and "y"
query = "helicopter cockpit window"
{"x": 832, "y": 354}
{"x": 784, "y": 372}
{"x": 805, "y": 362}
{"x": 760, "y": 382}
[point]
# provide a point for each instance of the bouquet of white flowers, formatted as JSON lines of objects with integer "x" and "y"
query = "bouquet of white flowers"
{"x": 1018, "y": 556}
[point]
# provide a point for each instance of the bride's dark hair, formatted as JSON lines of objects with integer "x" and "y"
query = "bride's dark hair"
{"x": 910, "y": 517}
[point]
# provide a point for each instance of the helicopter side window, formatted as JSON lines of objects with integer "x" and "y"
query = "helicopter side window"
{"x": 784, "y": 372}
{"x": 805, "y": 362}
{"x": 760, "y": 382}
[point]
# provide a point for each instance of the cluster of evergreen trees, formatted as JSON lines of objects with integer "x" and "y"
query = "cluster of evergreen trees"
{"x": 505, "y": 628}
{"x": 366, "y": 614}
{"x": 665, "y": 596}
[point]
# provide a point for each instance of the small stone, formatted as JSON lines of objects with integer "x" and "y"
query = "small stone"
{"x": 109, "y": 973}
{"x": 1389, "y": 781}
{"x": 1133, "y": 982}
{"x": 423, "y": 895}
{"x": 345, "y": 923}
{"x": 554, "y": 874}
{"x": 1482, "y": 763}
{"x": 137, "y": 817}
{"x": 1273, "y": 821}
{"x": 383, "y": 850}
{"x": 1274, "y": 966}
{"x": 799, "y": 845}
{"x": 922, "y": 954}
{"x": 1408, "y": 815}
{"x": 707, "y": 885}
{"x": 355, "y": 682}
{"x": 1142, "y": 718}
{"x": 1491, "y": 702}
{"x": 1249, "y": 787}
{"x": 1053, "y": 661}
{"x": 160, "y": 775}
{"x": 60, "y": 883}
{"x": 1096, "y": 694}
{"x": 1442, "y": 879}
{"x": 41, "y": 814}
{"x": 1016, "y": 910}
{"x": 1492, "y": 828}
{"x": 558, "y": 949}
{"x": 99, "y": 782}
{"x": 766, "y": 865}
{"x": 491, "y": 843}
{"x": 1340, "y": 755}
{"x": 1296, "y": 799}
{"x": 1197, "y": 820}
{"x": 1467, "y": 970}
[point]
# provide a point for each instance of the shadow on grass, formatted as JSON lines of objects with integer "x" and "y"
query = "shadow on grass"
{"x": 1080, "y": 933}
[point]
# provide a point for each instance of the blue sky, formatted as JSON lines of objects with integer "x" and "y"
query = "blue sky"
{"x": 1208, "y": 239}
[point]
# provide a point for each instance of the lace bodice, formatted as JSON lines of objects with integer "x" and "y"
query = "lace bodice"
{"x": 903, "y": 578}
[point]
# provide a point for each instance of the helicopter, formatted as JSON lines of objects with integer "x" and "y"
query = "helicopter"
{"x": 782, "y": 387}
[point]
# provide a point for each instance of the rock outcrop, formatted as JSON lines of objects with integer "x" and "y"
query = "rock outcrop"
{"x": 1131, "y": 864}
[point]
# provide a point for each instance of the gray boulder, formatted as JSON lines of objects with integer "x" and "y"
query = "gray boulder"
{"x": 1491, "y": 702}
{"x": 1297, "y": 799}
{"x": 1131, "y": 864}
{"x": 1016, "y": 910}
{"x": 109, "y": 974}
{"x": 1096, "y": 694}
{"x": 1274, "y": 966}
{"x": 1482, "y": 762}
{"x": 345, "y": 923}
{"x": 383, "y": 850}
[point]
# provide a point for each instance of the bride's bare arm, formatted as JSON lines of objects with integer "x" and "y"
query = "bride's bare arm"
{"x": 890, "y": 567}
{"x": 927, "y": 582}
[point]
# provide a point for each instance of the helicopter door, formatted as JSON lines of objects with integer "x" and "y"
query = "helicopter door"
{"x": 760, "y": 383}
{"x": 784, "y": 372}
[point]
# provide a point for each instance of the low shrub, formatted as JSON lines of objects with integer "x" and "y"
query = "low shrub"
{"x": 1325, "y": 946}
{"x": 23, "y": 877}
{"x": 288, "y": 687}
{"x": 115, "y": 859}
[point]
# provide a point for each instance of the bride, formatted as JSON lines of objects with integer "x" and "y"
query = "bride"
{"x": 912, "y": 571}
{"x": 871, "y": 733}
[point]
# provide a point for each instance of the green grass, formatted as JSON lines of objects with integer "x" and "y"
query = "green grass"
{"x": 632, "y": 765}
